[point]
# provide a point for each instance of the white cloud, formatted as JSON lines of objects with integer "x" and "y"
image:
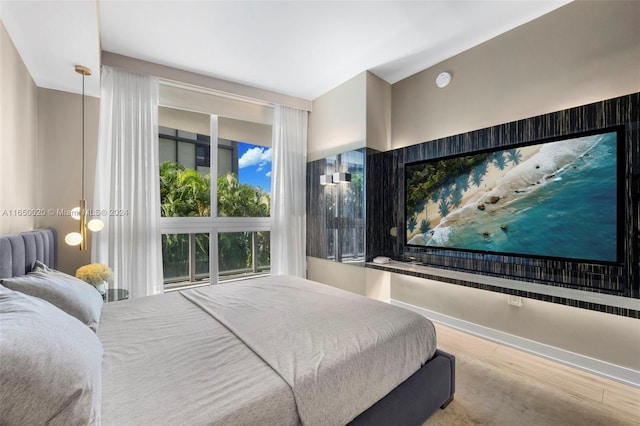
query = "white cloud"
{"x": 268, "y": 174}
{"x": 255, "y": 156}
{"x": 266, "y": 155}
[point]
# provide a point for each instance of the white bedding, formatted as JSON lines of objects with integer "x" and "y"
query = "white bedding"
{"x": 166, "y": 362}
{"x": 303, "y": 351}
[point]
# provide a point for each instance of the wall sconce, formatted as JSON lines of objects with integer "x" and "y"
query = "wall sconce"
{"x": 326, "y": 180}
{"x": 341, "y": 177}
{"x": 334, "y": 178}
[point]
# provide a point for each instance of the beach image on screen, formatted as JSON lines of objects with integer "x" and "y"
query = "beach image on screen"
{"x": 555, "y": 199}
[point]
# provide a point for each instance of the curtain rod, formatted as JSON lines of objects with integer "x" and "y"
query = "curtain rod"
{"x": 213, "y": 92}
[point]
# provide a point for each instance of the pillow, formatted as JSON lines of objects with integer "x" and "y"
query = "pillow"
{"x": 74, "y": 296}
{"x": 51, "y": 369}
{"x": 39, "y": 266}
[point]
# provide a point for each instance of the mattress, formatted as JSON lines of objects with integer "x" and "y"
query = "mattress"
{"x": 273, "y": 350}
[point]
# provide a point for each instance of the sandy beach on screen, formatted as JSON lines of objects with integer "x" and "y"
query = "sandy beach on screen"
{"x": 472, "y": 196}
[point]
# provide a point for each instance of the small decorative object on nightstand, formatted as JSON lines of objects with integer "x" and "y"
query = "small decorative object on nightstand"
{"x": 96, "y": 274}
{"x": 115, "y": 294}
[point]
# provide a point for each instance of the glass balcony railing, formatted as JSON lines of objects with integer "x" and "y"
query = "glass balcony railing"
{"x": 185, "y": 257}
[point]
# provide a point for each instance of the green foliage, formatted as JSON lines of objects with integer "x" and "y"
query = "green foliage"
{"x": 434, "y": 182}
{"x": 241, "y": 200}
{"x": 183, "y": 192}
{"x": 186, "y": 193}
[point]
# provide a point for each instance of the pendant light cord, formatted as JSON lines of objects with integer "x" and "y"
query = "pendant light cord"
{"x": 83, "y": 77}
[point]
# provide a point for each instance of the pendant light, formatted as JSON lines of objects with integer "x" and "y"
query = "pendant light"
{"x": 80, "y": 213}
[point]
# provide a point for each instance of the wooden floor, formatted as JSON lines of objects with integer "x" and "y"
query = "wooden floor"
{"x": 608, "y": 395}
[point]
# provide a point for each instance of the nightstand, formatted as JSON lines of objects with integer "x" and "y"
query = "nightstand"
{"x": 115, "y": 294}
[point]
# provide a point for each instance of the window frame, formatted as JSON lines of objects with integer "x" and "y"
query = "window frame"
{"x": 213, "y": 225}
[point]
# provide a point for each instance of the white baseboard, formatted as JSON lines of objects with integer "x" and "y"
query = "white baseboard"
{"x": 591, "y": 365}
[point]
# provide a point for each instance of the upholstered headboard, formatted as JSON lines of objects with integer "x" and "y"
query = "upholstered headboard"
{"x": 18, "y": 252}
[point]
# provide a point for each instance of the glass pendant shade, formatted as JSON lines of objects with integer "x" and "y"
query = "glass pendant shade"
{"x": 75, "y": 213}
{"x": 73, "y": 239}
{"x": 95, "y": 225}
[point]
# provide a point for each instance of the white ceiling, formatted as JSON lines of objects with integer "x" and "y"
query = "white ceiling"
{"x": 298, "y": 48}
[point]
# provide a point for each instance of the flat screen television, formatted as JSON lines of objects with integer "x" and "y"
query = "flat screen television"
{"x": 559, "y": 199}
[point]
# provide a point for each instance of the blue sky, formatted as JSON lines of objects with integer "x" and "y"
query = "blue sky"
{"x": 254, "y": 165}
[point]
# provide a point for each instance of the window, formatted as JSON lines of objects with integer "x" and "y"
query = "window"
{"x": 185, "y": 259}
{"x": 244, "y": 183}
{"x": 242, "y": 253}
{"x": 230, "y": 237}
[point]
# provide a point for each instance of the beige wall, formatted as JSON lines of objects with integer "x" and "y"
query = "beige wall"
{"x": 18, "y": 140}
{"x": 597, "y": 335}
{"x": 40, "y": 152}
{"x": 580, "y": 53}
{"x": 354, "y": 115}
{"x": 356, "y": 279}
{"x": 338, "y": 120}
{"x": 341, "y": 275}
{"x": 378, "y": 113}
{"x": 59, "y": 167}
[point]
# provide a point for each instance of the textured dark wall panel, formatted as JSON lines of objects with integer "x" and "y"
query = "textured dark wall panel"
{"x": 385, "y": 203}
{"x": 382, "y": 184}
{"x": 316, "y": 212}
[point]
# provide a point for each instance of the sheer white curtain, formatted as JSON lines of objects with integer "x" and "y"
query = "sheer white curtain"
{"x": 127, "y": 183}
{"x": 288, "y": 192}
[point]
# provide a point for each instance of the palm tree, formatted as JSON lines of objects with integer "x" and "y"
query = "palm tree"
{"x": 412, "y": 224}
{"x": 443, "y": 208}
{"x": 499, "y": 160}
{"x": 435, "y": 195}
{"x": 477, "y": 174}
{"x": 241, "y": 200}
{"x": 425, "y": 225}
{"x": 456, "y": 197}
{"x": 462, "y": 182}
{"x": 445, "y": 190}
{"x": 514, "y": 155}
{"x": 195, "y": 190}
{"x": 183, "y": 192}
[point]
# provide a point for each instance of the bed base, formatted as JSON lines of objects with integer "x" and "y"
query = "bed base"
{"x": 415, "y": 399}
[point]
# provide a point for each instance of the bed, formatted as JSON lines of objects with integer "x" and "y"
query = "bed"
{"x": 271, "y": 351}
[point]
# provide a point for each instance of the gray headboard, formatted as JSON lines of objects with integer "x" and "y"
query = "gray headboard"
{"x": 18, "y": 252}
